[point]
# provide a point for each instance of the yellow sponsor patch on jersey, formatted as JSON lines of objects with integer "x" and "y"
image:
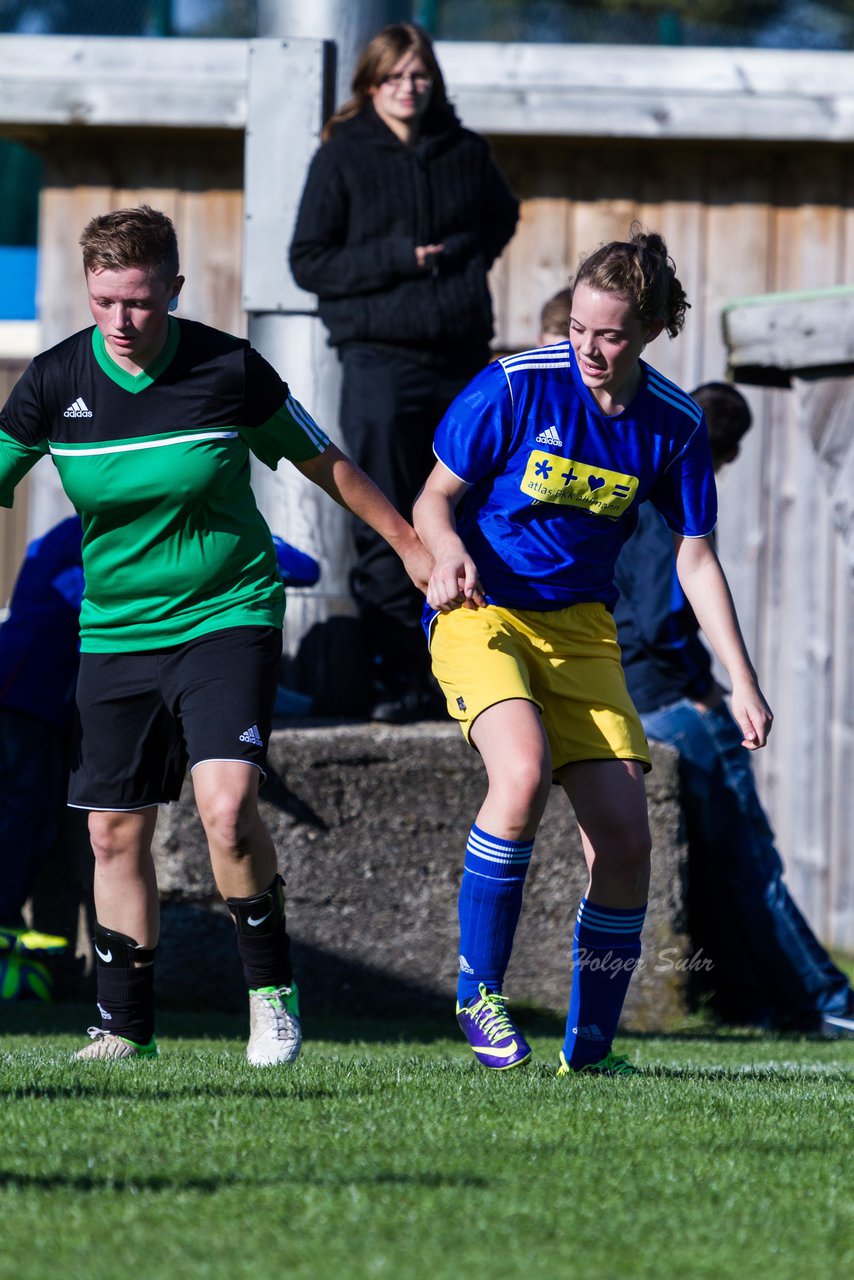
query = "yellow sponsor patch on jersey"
{"x": 550, "y": 478}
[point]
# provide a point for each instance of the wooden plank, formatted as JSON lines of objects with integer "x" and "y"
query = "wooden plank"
{"x": 211, "y": 236}
{"x": 840, "y": 930}
{"x": 63, "y": 214}
{"x": 607, "y": 90}
{"x": 798, "y": 333}
{"x": 742, "y": 539}
{"x": 655, "y": 113}
{"x": 827, "y": 407}
{"x": 767, "y": 453}
{"x": 737, "y": 226}
{"x": 796, "y": 600}
{"x": 683, "y": 214}
{"x": 591, "y": 66}
{"x": 847, "y": 231}
{"x": 61, "y": 81}
{"x": 537, "y": 268}
{"x": 669, "y": 190}
{"x": 52, "y": 82}
{"x": 604, "y": 197}
{"x": 811, "y": 657}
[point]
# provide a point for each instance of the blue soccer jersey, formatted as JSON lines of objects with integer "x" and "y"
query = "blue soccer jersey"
{"x": 556, "y": 483}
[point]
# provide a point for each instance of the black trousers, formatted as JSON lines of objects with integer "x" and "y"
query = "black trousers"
{"x": 390, "y": 407}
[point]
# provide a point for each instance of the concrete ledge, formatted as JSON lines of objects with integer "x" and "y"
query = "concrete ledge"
{"x": 371, "y": 824}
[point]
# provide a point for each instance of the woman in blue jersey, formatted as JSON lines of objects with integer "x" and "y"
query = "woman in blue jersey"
{"x": 150, "y": 421}
{"x": 543, "y": 462}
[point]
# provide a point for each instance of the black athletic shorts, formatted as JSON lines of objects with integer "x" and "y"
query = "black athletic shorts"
{"x": 142, "y": 717}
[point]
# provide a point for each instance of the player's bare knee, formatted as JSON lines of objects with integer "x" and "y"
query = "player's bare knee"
{"x": 632, "y": 852}
{"x": 522, "y": 795}
{"x": 110, "y": 837}
{"x": 628, "y": 862}
{"x": 228, "y": 820}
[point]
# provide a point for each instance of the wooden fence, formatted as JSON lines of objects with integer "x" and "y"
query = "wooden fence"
{"x": 766, "y": 207}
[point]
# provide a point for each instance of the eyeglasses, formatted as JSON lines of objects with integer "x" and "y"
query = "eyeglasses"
{"x": 420, "y": 80}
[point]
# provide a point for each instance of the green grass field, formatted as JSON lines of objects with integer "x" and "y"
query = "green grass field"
{"x": 385, "y": 1151}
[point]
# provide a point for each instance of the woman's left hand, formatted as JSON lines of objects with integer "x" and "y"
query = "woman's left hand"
{"x": 752, "y": 714}
{"x": 426, "y": 255}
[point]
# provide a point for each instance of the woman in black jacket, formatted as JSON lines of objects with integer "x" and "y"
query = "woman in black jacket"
{"x": 403, "y": 213}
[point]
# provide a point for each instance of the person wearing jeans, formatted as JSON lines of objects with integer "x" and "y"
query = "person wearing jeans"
{"x": 769, "y": 968}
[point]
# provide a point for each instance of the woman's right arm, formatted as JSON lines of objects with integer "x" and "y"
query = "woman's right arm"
{"x": 321, "y": 259}
{"x": 454, "y": 582}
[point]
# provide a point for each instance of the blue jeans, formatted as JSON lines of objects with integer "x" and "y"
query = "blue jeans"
{"x": 768, "y": 965}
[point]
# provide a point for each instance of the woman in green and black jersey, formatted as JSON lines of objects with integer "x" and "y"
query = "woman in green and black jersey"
{"x": 150, "y": 421}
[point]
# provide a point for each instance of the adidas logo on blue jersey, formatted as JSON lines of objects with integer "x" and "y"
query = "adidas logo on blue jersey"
{"x": 252, "y": 735}
{"x": 78, "y": 410}
{"x": 551, "y": 435}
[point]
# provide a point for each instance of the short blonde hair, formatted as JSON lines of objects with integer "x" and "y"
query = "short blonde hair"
{"x": 140, "y": 237}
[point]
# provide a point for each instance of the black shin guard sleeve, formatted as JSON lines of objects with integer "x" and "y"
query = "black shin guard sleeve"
{"x": 126, "y": 1001}
{"x": 124, "y": 974}
{"x": 262, "y": 938}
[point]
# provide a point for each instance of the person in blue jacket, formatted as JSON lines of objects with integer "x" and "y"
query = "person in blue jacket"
{"x": 39, "y": 657}
{"x": 769, "y": 968}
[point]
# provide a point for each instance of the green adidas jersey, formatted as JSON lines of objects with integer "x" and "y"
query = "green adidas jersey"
{"x": 157, "y": 465}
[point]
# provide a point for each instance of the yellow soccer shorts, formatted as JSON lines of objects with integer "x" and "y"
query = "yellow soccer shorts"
{"x": 567, "y": 662}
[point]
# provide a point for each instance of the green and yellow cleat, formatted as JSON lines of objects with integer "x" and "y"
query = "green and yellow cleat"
{"x": 31, "y": 940}
{"x": 611, "y": 1065}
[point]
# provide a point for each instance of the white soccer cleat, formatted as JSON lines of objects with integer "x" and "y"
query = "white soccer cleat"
{"x": 107, "y": 1045}
{"x": 275, "y": 1034}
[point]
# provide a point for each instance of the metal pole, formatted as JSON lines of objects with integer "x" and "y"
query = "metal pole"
{"x": 294, "y": 341}
{"x": 349, "y": 23}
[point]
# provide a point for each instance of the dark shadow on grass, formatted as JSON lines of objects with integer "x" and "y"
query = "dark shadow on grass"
{"x": 156, "y": 1092}
{"x": 347, "y": 1031}
{"x": 424, "y": 1027}
{"x": 88, "y": 1182}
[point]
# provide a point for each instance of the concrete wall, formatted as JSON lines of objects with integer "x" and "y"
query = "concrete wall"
{"x": 371, "y": 825}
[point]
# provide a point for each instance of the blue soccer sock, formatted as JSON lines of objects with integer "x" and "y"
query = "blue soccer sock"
{"x": 489, "y": 907}
{"x": 606, "y": 948}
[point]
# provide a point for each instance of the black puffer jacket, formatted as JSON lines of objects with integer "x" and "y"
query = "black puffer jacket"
{"x": 368, "y": 201}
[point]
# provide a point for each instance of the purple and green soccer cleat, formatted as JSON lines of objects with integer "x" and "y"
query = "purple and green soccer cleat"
{"x": 490, "y": 1031}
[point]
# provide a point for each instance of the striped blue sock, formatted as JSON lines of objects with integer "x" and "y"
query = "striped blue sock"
{"x": 606, "y": 948}
{"x": 489, "y": 906}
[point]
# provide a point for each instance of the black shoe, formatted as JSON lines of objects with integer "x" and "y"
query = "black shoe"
{"x": 407, "y": 704}
{"x": 404, "y": 707}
